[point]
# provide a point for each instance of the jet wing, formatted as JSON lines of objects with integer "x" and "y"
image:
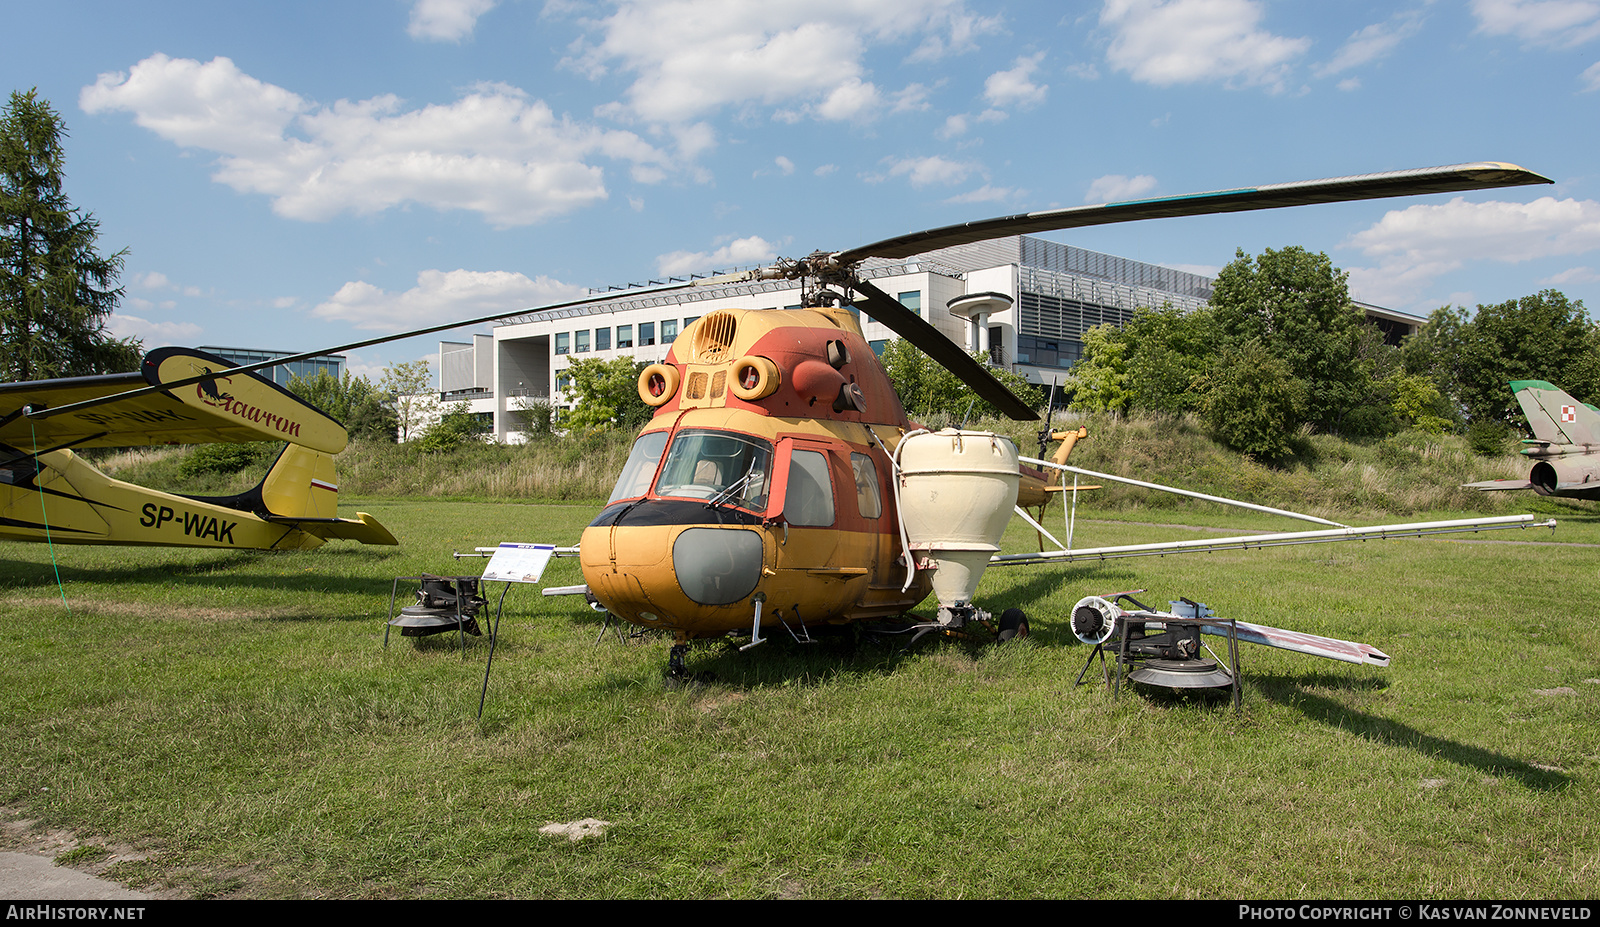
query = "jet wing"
{"x": 1498, "y": 485}
{"x": 238, "y": 408}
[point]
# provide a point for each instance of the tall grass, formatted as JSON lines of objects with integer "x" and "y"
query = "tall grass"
{"x": 1401, "y": 475}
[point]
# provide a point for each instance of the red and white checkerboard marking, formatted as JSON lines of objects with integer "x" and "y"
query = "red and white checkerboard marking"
{"x": 1569, "y": 413}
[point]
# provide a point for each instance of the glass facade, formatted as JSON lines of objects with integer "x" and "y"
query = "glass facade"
{"x": 331, "y": 364}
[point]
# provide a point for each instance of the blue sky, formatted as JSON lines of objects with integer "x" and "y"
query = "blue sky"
{"x": 296, "y": 175}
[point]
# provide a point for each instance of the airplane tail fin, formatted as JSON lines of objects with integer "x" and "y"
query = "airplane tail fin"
{"x": 1554, "y": 416}
{"x": 302, "y": 489}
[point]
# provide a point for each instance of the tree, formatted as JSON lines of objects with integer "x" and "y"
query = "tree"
{"x": 1298, "y": 306}
{"x": 926, "y": 387}
{"x": 409, "y": 387}
{"x": 453, "y": 429}
{"x": 1252, "y": 402}
{"x": 1545, "y": 336}
{"x": 607, "y": 394}
{"x": 1539, "y": 337}
{"x": 1099, "y": 380}
{"x": 1149, "y": 364}
{"x": 353, "y": 401}
{"x": 56, "y": 291}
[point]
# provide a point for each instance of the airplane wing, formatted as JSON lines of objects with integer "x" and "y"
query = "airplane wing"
{"x": 238, "y": 408}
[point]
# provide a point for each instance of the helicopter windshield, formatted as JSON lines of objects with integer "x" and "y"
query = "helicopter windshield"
{"x": 640, "y": 468}
{"x": 719, "y": 467}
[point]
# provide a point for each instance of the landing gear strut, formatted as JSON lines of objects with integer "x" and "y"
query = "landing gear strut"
{"x": 677, "y": 675}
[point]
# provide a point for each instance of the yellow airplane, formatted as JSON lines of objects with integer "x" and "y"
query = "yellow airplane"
{"x": 47, "y": 492}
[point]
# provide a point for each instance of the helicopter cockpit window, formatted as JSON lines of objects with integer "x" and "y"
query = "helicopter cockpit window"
{"x": 640, "y": 468}
{"x": 809, "y": 499}
{"x": 868, "y": 498}
{"x": 718, "y": 467}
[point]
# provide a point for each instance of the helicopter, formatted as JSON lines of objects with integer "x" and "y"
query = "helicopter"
{"x": 780, "y": 482}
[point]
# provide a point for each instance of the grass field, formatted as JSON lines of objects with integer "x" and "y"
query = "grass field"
{"x": 231, "y": 725}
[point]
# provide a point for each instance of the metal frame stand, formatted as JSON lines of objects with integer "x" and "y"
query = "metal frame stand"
{"x": 461, "y": 631}
{"x": 1124, "y": 665}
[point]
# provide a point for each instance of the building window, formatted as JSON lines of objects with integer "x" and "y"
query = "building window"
{"x": 581, "y": 342}
{"x": 690, "y": 321}
{"x": 912, "y": 301}
{"x": 624, "y": 336}
{"x": 878, "y": 346}
{"x": 647, "y": 333}
{"x": 563, "y": 381}
{"x": 669, "y": 331}
{"x": 602, "y": 339}
{"x": 563, "y": 342}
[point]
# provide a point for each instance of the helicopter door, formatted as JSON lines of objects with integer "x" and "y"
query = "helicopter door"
{"x": 802, "y": 503}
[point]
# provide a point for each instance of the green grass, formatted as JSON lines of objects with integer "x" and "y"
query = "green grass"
{"x": 236, "y": 717}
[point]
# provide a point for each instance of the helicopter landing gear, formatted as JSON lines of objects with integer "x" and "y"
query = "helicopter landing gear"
{"x": 954, "y": 620}
{"x": 1013, "y": 625}
{"x": 676, "y": 675}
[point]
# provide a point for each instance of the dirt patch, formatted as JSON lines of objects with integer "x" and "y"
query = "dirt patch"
{"x": 24, "y": 835}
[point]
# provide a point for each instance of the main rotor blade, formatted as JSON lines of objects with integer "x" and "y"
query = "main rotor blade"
{"x": 1481, "y": 175}
{"x": 913, "y": 328}
{"x": 385, "y": 339}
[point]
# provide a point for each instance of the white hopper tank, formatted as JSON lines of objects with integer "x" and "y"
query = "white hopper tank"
{"x": 957, "y": 491}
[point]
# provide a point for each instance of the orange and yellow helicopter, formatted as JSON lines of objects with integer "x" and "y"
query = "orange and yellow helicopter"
{"x": 780, "y": 481}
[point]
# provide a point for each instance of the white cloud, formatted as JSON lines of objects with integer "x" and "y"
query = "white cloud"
{"x": 153, "y": 334}
{"x": 1559, "y": 23}
{"x": 933, "y": 169}
{"x": 751, "y": 250}
{"x": 964, "y": 28}
{"x": 691, "y": 57}
{"x": 446, "y": 20}
{"x": 1015, "y": 87}
{"x": 1571, "y": 276}
{"x": 442, "y": 296}
{"x": 953, "y": 126}
{"x": 985, "y": 194}
{"x": 1591, "y": 77}
{"x": 1189, "y": 41}
{"x": 785, "y": 166}
{"x": 1413, "y": 246}
{"x": 493, "y": 151}
{"x": 1372, "y": 43}
{"x": 1114, "y": 188}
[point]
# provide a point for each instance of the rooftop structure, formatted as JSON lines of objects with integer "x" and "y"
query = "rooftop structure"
{"x": 1023, "y": 301}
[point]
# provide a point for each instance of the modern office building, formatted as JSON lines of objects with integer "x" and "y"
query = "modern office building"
{"x": 333, "y": 364}
{"x": 1024, "y": 301}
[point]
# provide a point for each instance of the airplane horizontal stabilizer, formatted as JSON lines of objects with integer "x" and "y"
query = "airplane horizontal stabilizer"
{"x": 363, "y": 528}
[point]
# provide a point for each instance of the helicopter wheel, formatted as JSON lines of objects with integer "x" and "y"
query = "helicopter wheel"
{"x": 677, "y": 676}
{"x": 1013, "y": 624}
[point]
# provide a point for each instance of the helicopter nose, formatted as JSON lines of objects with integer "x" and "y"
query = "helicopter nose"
{"x": 717, "y": 566}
